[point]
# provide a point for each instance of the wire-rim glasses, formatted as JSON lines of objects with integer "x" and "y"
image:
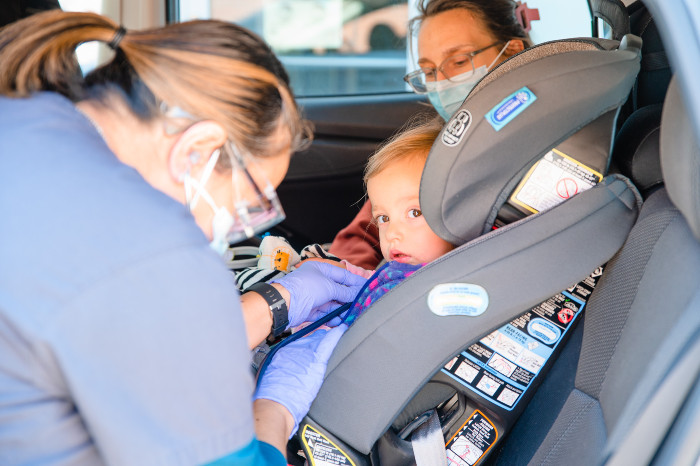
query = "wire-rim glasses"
{"x": 450, "y": 68}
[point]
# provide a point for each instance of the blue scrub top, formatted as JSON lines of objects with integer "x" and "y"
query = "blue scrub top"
{"x": 121, "y": 336}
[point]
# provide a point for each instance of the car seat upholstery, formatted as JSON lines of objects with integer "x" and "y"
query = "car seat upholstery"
{"x": 642, "y": 317}
{"x": 636, "y": 148}
{"x": 636, "y": 151}
{"x": 377, "y": 372}
{"x": 583, "y": 93}
{"x": 655, "y": 72}
{"x": 614, "y": 13}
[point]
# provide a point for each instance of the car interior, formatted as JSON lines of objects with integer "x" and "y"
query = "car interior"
{"x": 559, "y": 331}
{"x": 619, "y": 383}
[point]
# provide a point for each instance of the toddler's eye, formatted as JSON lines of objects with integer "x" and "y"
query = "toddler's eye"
{"x": 413, "y": 213}
{"x": 381, "y": 219}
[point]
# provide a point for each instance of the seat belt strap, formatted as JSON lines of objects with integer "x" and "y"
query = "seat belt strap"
{"x": 428, "y": 443}
{"x": 643, "y": 440}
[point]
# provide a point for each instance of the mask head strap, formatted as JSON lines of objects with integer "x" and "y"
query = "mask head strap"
{"x": 208, "y": 169}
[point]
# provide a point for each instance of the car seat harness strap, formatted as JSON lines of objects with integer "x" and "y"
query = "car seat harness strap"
{"x": 428, "y": 442}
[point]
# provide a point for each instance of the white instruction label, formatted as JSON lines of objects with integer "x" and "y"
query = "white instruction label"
{"x": 554, "y": 179}
{"x": 502, "y": 365}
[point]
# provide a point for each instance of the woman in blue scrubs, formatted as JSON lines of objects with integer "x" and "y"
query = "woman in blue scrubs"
{"x": 122, "y": 337}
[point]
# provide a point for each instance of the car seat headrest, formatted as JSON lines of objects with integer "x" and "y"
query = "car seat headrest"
{"x": 515, "y": 115}
{"x": 680, "y": 158}
{"x": 637, "y": 148}
{"x": 655, "y": 72}
{"x": 544, "y": 50}
{"x": 614, "y": 13}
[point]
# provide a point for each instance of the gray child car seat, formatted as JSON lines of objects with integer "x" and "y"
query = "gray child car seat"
{"x": 614, "y": 400}
{"x": 539, "y": 121}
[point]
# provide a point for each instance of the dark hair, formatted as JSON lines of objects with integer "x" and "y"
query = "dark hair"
{"x": 498, "y": 16}
{"x": 211, "y": 70}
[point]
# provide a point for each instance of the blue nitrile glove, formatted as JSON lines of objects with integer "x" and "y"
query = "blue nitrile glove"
{"x": 296, "y": 372}
{"x": 315, "y": 284}
{"x": 323, "y": 310}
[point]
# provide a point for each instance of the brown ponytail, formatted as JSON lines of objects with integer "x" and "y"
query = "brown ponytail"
{"x": 38, "y": 53}
{"x": 210, "y": 69}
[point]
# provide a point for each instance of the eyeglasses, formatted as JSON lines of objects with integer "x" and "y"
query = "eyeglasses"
{"x": 256, "y": 208}
{"x": 451, "y": 67}
{"x": 254, "y": 215}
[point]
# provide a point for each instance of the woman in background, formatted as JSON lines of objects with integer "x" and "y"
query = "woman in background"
{"x": 458, "y": 41}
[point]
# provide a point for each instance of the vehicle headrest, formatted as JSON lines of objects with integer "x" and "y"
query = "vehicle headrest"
{"x": 655, "y": 72}
{"x": 614, "y": 13}
{"x": 680, "y": 158}
{"x": 637, "y": 148}
{"x": 518, "y": 112}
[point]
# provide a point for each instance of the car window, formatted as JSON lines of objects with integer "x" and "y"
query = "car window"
{"x": 329, "y": 47}
{"x": 337, "y": 47}
{"x": 560, "y": 19}
{"x": 352, "y": 47}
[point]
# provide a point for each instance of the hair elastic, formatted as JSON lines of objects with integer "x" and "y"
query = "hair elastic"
{"x": 118, "y": 36}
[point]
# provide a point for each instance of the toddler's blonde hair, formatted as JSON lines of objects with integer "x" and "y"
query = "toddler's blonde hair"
{"x": 414, "y": 141}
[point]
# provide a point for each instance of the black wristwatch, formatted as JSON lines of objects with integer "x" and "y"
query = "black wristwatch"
{"x": 278, "y": 306}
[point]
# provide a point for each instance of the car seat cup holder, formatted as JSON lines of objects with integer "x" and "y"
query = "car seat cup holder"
{"x": 535, "y": 132}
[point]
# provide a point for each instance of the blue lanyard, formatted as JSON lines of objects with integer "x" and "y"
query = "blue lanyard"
{"x": 323, "y": 320}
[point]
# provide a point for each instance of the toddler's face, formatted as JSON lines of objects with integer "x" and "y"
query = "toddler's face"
{"x": 404, "y": 234}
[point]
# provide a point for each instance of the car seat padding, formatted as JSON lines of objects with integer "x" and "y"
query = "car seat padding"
{"x": 637, "y": 320}
{"x": 468, "y": 176}
{"x": 636, "y": 150}
{"x": 680, "y": 158}
{"x": 367, "y": 371}
{"x": 465, "y": 184}
{"x": 614, "y": 13}
{"x": 625, "y": 322}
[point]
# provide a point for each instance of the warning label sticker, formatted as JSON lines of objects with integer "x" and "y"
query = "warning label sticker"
{"x": 322, "y": 452}
{"x": 502, "y": 365}
{"x": 552, "y": 180}
{"x": 472, "y": 441}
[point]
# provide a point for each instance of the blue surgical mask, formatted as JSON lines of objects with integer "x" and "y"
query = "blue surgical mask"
{"x": 447, "y": 95}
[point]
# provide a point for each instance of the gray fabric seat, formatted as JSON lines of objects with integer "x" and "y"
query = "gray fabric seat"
{"x": 636, "y": 147}
{"x": 640, "y": 319}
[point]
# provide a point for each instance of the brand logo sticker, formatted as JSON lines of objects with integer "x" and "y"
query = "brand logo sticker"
{"x": 456, "y": 128}
{"x": 543, "y": 330}
{"x": 458, "y": 299}
{"x": 510, "y": 107}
